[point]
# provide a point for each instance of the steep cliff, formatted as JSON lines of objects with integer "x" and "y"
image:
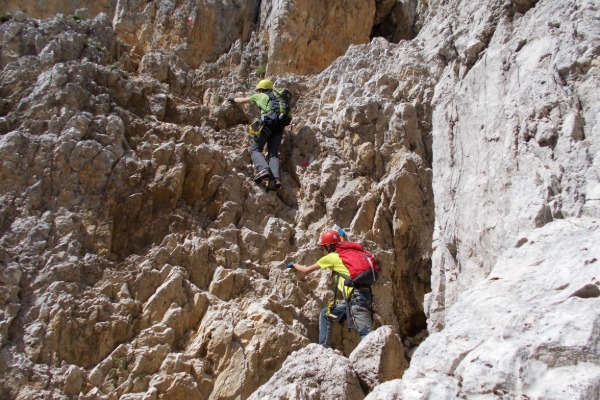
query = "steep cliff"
{"x": 140, "y": 261}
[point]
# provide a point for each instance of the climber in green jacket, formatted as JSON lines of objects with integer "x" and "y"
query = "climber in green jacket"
{"x": 267, "y": 131}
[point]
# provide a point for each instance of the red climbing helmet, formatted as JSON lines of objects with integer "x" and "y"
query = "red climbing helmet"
{"x": 329, "y": 237}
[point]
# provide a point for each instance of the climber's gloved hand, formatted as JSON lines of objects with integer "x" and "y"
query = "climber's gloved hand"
{"x": 290, "y": 264}
{"x": 341, "y": 232}
{"x": 230, "y": 99}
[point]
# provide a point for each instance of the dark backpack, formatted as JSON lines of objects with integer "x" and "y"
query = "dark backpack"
{"x": 362, "y": 265}
{"x": 280, "y": 103}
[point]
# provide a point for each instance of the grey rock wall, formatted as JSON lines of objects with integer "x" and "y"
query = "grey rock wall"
{"x": 139, "y": 261}
{"x": 515, "y": 139}
{"x": 529, "y": 330}
{"x": 512, "y": 312}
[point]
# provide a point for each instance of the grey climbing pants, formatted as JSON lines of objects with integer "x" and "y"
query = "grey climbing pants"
{"x": 360, "y": 307}
{"x": 270, "y": 136}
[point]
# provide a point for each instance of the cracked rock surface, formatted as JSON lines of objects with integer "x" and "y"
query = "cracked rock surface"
{"x": 458, "y": 141}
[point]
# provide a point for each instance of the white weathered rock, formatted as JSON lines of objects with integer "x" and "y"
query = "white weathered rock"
{"x": 379, "y": 358}
{"x": 502, "y": 163}
{"x": 312, "y": 373}
{"x": 528, "y": 330}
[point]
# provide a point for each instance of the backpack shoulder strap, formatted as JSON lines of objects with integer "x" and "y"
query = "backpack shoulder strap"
{"x": 340, "y": 275}
{"x": 275, "y": 96}
{"x": 349, "y": 315}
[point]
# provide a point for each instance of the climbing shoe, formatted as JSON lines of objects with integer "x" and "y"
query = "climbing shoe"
{"x": 261, "y": 175}
{"x": 274, "y": 184}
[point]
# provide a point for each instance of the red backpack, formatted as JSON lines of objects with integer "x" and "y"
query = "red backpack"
{"x": 361, "y": 264}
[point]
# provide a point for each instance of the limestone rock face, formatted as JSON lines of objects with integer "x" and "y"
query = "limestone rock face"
{"x": 287, "y": 37}
{"x": 46, "y": 9}
{"x": 537, "y": 310}
{"x": 379, "y": 358}
{"x": 513, "y": 157}
{"x": 195, "y": 31}
{"x": 300, "y": 36}
{"x": 312, "y": 373}
{"x": 138, "y": 260}
{"x": 520, "y": 134}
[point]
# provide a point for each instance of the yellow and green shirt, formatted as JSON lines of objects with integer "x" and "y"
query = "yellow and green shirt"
{"x": 261, "y": 100}
{"x": 333, "y": 262}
